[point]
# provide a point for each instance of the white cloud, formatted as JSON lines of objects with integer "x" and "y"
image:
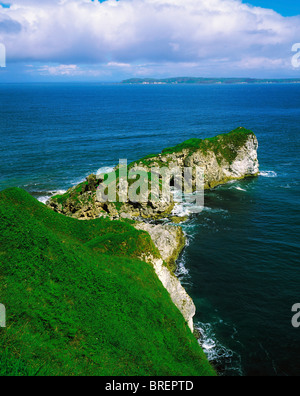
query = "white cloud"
{"x": 118, "y": 64}
{"x": 61, "y": 70}
{"x": 67, "y": 70}
{"x": 127, "y": 32}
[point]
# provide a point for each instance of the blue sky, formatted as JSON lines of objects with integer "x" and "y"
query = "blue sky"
{"x": 85, "y": 40}
{"x": 284, "y": 7}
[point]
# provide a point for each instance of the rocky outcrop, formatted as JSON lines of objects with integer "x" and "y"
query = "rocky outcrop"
{"x": 177, "y": 292}
{"x": 226, "y": 157}
{"x": 81, "y": 203}
{"x": 170, "y": 241}
{"x": 242, "y": 161}
{"x": 223, "y": 158}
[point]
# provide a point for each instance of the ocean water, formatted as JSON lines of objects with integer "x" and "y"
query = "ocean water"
{"x": 241, "y": 265}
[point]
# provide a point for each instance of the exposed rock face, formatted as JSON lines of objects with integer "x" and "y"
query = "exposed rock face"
{"x": 219, "y": 171}
{"x": 81, "y": 203}
{"x": 170, "y": 241}
{"x": 177, "y": 292}
{"x": 226, "y": 157}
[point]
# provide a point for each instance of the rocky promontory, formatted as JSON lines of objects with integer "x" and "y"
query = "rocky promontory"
{"x": 223, "y": 158}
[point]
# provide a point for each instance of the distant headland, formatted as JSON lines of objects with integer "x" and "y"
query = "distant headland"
{"x": 206, "y": 81}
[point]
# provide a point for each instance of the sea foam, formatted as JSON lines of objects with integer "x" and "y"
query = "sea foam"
{"x": 268, "y": 174}
{"x": 216, "y": 352}
{"x": 44, "y": 198}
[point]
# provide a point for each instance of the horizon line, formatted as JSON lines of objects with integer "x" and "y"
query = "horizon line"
{"x": 258, "y": 79}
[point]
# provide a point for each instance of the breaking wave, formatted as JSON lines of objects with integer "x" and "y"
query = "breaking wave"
{"x": 222, "y": 358}
{"x": 268, "y": 174}
{"x": 240, "y": 189}
{"x": 47, "y": 195}
{"x": 105, "y": 169}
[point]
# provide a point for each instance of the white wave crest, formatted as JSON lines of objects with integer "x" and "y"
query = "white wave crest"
{"x": 240, "y": 189}
{"x": 44, "y": 198}
{"x": 268, "y": 174}
{"x": 104, "y": 170}
{"x": 58, "y": 192}
{"x": 182, "y": 209}
{"x": 215, "y": 351}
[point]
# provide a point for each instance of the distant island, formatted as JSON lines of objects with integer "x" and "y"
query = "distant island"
{"x": 201, "y": 80}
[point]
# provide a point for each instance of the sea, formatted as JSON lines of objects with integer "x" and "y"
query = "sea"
{"x": 241, "y": 264}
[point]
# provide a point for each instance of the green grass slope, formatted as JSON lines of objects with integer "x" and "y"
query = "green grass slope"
{"x": 79, "y": 302}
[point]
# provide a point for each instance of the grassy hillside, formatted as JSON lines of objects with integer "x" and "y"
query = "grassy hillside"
{"x": 79, "y": 302}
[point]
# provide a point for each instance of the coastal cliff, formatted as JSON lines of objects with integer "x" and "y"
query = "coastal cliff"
{"x": 226, "y": 157}
{"x": 223, "y": 158}
{"x": 170, "y": 241}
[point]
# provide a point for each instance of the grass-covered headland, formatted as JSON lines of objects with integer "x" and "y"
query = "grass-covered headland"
{"x": 80, "y": 302}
